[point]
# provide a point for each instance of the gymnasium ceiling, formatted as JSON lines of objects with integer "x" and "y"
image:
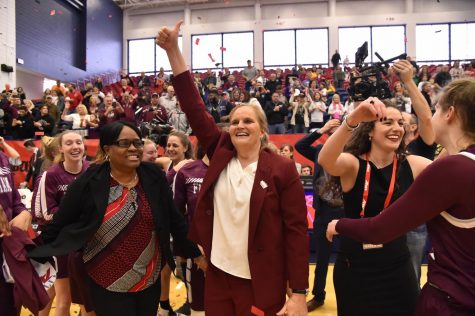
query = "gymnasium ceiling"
{"x": 154, "y": 4}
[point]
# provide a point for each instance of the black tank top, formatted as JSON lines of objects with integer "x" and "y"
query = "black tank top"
{"x": 378, "y": 190}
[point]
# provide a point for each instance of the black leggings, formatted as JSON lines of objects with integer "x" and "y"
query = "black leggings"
{"x": 143, "y": 303}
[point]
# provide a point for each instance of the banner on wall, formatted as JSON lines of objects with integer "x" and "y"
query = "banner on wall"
{"x": 20, "y": 168}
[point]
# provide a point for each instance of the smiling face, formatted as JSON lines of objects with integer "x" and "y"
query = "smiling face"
{"x": 125, "y": 158}
{"x": 245, "y": 129}
{"x": 72, "y": 147}
{"x": 150, "y": 152}
{"x": 175, "y": 149}
{"x": 389, "y": 133}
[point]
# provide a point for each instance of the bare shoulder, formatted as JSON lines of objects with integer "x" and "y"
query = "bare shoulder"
{"x": 418, "y": 163}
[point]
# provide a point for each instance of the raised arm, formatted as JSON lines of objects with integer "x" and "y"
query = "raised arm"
{"x": 9, "y": 150}
{"x": 424, "y": 115}
{"x": 426, "y": 198}
{"x": 168, "y": 40}
{"x": 332, "y": 158}
{"x": 200, "y": 120}
{"x": 304, "y": 145}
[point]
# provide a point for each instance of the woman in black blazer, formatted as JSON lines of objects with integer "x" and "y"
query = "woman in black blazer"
{"x": 119, "y": 215}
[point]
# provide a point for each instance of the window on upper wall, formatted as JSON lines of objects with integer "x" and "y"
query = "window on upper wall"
{"x": 161, "y": 58}
{"x": 350, "y": 39}
{"x": 237, "y": 49}
{"x": 395, "y": 46}
{"x": 206, "y": 51}
{"x": 279, "y": 48}
{"x": 462, "y": 41}
{"x": 288, "y": 48}
{"x": 432, "y": 42}
{"x": 222, "y": 50}
{"x": 312, "y": 46}
{"x": 144, "y": 55}
{"x": 141, "y": 55}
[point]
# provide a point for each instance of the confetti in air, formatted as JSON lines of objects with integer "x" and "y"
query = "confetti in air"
{"x": 197, "y": 42}
{"x": 211, "y": 57}
{"x": 52, "y": 12}
{"x": 223, "y": 49}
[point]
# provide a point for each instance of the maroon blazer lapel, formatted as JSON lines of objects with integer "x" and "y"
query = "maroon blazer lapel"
{"x": 259, "y": 191}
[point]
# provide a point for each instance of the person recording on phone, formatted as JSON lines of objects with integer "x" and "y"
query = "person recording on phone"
{"x": 112, "y": 112}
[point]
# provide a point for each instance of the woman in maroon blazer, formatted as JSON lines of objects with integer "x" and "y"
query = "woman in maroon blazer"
{"x": 251, "y": 215}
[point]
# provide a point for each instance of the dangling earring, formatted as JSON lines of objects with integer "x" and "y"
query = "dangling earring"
{"x": 370, "y": 138}
{"x": 106, "y": 157}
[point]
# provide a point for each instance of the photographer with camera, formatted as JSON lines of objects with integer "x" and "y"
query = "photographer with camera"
{"x": 154, "y": 121}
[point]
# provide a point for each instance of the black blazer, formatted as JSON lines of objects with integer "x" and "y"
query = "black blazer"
{"x": 82, "y": 209}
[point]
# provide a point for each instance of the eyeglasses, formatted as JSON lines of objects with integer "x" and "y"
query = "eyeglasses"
{"x": 125, "y": 143}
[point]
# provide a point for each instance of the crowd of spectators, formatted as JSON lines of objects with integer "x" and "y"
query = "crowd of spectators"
{"x": 295, "y": 100}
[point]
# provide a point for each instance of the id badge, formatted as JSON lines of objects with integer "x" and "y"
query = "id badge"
{"x": 372, "y": 246}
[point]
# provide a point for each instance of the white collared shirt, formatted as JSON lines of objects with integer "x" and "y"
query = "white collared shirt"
{"x": 232, "y": 196}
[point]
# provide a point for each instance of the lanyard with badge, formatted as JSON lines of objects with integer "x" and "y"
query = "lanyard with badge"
{"x": 364, "y": 201}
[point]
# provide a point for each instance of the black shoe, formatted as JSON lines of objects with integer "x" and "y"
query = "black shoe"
{"x": 313, "y": 304}
{"x": 185, "y": 309}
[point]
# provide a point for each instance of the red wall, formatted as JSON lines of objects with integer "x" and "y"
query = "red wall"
{"x": 92, "y": 145}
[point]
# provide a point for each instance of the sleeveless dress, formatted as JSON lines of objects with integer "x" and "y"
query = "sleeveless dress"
{"x": 377, "y": 281}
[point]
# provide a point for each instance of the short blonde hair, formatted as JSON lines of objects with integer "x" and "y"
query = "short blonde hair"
{"x": 261, "y": 120}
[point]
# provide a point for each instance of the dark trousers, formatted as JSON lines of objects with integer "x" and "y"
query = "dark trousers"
{"x": 7, "y": 304}
{"x": 231, "y": 296}
{"x": 323, "y": 249}
{"x": 143, "y": 303}
{"x": 248, "y": 85}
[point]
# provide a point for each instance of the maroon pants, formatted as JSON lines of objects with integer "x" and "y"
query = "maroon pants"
{"x": 229, "y": 295}
{"x": 435, "y": 302}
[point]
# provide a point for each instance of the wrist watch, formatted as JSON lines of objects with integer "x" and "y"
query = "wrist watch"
{"x": 298, "y": 291}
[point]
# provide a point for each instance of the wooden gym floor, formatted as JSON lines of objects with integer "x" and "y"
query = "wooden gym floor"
{"x": 178, "y": 295}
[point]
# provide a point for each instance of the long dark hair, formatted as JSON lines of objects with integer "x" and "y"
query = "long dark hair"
{"x": 329, "y": 190}
{"x": 329, "y": 187}
{"x": 360, "y": 144}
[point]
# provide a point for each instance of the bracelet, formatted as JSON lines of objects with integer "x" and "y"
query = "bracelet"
{"x": 298, "y": 291}
{"x": 348, "y": 126}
